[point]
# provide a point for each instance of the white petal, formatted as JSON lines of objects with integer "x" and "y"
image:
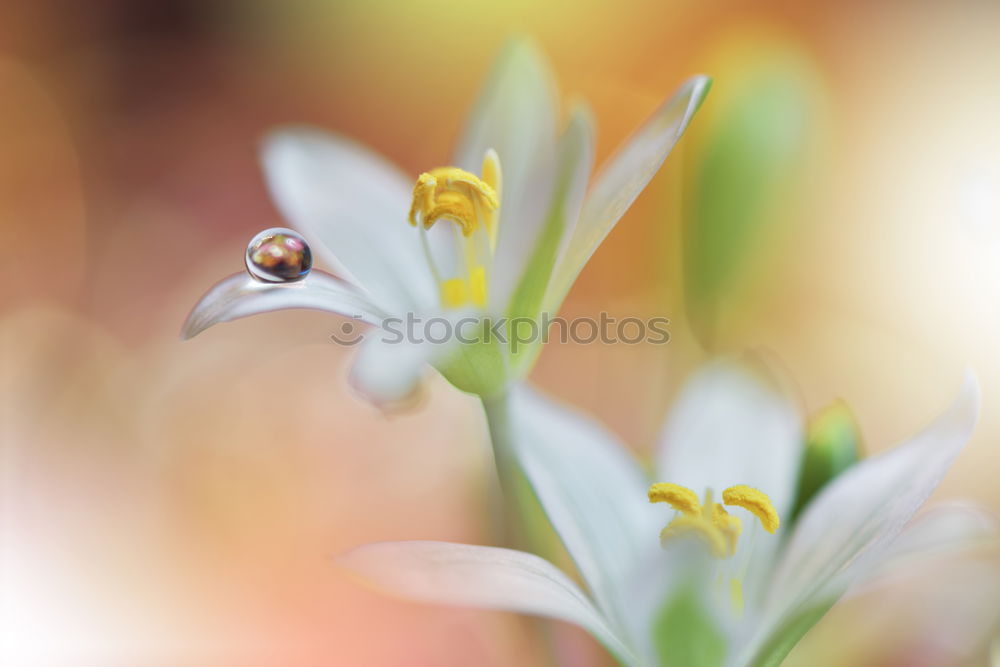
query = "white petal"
{"x": 938, "y": 611}
{"x": 391, "y": 364}
{"x": 945, "y": 529}
{"x": 623, "y": 177}
{"x": 592, "y": 490}
{"x": 516, "y": 116}
{"x": 728, "y": 427}
{"x": 847, "y": 528}
{"x": 483, "y": 577}
{"x": 356, "y": 203}
{"x": 576, "y": 158}
{"x": 575, "y": 164}
{"x": 239, "y": 295}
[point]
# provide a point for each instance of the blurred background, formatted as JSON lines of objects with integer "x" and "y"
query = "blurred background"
{"x": 835, "y": 206}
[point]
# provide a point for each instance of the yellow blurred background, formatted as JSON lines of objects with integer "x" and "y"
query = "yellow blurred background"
{"x": 178, "y": 504}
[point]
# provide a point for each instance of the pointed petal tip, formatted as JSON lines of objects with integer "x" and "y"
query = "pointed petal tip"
{"x": 524, "y": 54}
{"x": 392, "y": 401}
{"x": 581, "y": 112}
{"x": 479, "y": 577}
{"x": 696, "y": 89}
{"x": 239, "y": 296}
{"x": 280, "y": 137}
{"x": 188, "y": 331}
{"x": 971, "y": 390}
{"x": 520, "y": 44}
{"x": 967, "y": 406}
{"x": 700, "y": 82}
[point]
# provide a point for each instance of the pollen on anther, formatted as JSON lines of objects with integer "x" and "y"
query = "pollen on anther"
{"x": 453, "y": 194}
{"x": 679, "y": 497}
{"x": 755, "y": 502}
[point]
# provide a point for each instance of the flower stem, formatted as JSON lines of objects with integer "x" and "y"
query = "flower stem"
{"x": 518, "y": 519}
{"x": 505, "y": 505}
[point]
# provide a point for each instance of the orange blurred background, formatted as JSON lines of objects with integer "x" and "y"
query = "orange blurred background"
{"x": 177, "y": 504}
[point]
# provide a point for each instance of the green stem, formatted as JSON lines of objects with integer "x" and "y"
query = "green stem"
{"x": 505, "y": 506}
{"x": 518, "y": 520}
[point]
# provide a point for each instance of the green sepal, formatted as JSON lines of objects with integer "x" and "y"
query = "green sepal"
{"x": 480, "y": 367}
{"x": 833, "y": 444}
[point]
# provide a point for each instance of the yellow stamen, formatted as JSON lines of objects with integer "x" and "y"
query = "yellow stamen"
{"x": 453, "y": 292}
{"x": 679, "y": 497}
{"x": 709, "y": 520}
{"x": 472, "y": 203}
{"x": 477, "y": 286}
{"x": 729, "y": 525}
{"x": 454, "y": 194}
{"x": 755, "y": 502}
{"x": 687, "y": 525}
{"x": 736, "y": 595}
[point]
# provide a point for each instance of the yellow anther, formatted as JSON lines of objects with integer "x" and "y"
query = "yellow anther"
{"x": 687, "y": 525}
{"x": 454, "y": 194}
{"x": 679, "y": 497}
{"x": 754, "y": 501}
{"x": 708, "y": 519}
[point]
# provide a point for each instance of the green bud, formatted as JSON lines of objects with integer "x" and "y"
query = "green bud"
{"x": 833, "y": 444}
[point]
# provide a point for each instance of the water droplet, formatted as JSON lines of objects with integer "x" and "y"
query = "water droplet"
{"x": 278, "y": 255}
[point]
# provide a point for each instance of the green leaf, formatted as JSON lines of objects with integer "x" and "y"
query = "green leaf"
{"x": 833, "y": 444}
{"x": 686, "y": 635}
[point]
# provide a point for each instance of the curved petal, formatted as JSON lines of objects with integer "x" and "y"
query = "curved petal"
{"x": 355, "y": 202}
{"x": 516, "y": 116}
{"x": 592, "y": 490}
{"x": 239, "y": 295}
{"x": 847, "y": 529}
{"x": 483, "y": 577}
{"x": 622, "y": 179}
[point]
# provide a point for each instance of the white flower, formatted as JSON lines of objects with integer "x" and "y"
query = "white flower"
{"x": 503, "y": 234}
{"x": 682, "y": 604}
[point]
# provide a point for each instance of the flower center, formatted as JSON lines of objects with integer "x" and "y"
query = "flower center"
{"x": 472, "y": 203}
{"x": 710, "y": 522}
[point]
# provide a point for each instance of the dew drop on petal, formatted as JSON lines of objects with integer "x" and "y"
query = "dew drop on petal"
{"x": 278, "y": 255}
